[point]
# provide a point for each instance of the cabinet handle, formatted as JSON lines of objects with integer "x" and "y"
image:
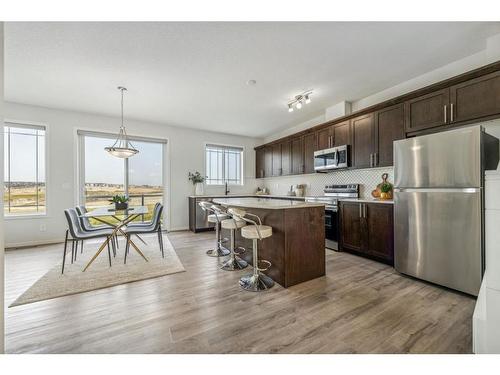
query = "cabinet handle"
{"x": 364, "y": 210}
{"x": 376, "y": 159}
{"x": 360, "y": 210}
{"x": 451, "y": 112}
{"x": 445, "y": 113}
{"x": 371, "y": 160}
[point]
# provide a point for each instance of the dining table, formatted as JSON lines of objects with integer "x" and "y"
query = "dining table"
{"x": 122, "y": 218}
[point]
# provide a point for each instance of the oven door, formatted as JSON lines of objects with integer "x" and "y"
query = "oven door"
{"x": 325, "y": 159}
{"x": 331, "y": 228}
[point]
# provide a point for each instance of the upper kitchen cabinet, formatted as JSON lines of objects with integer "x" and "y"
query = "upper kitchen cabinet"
{"x": 389, "y": 127}
{"x": 427, "y": 111}
{"x": 276, "y": 157}
{"x": 268, "y": 161}
{"x": 362, "y": 151}
{"x": 341, "y": 134}
{"x": 260, "y": 162}
{"x": 476, "y": 98}
{"x": 286, "y": 157}
{"x": 297, "y": 151}
{"x": 310, "y": 145}
{"x": 325, "y": 138}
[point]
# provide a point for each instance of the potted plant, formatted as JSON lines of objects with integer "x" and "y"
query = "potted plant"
{"x": 120, "y": 201}
{"x": 197, "y": 179}
{"x": 385, "y": 190}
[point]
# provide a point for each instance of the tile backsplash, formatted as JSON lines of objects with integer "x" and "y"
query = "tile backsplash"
{"x": 368, "y": 179}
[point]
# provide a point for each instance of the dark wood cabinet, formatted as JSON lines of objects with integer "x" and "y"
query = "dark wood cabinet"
{"x": 389, "y": 127}
{"x": 310, "y": 145}
{"x": 368, "y": 229}
{"x": 276, "y": 164}
{"x": 341, "y": 134}
{"x": 297, "y": 150}
{"x": 325, "y": 138}
{"x": 379, "y": 231}
{"x": 268, "y": 161}
{"x": 362, "y": 130}
{"x": 474, "y": 99}
{"x": 286, "y": 158}
{"x": 427, "y": 111}
{"x": 350, "y": 233}
{"x": 260, "y": 163}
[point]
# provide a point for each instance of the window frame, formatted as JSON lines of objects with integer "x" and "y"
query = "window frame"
{"x": 32, "y": 124}
{"x": 242, "y": 163}
{"x": 80, "y": 135}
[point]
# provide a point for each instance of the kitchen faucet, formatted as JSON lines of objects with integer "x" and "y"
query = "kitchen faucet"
{"x": 226, "y": 192}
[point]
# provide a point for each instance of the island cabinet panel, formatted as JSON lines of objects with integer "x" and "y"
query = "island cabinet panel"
{"x": 362, "y": 141}
{"x": 341, "y": 134}
{"x": 476, "y": 98}
{"x": 296, "y": 249}
{"x": 297, "y": 150}
{"x": 276, "y": 164}
{"x": 286, "y": 158}
{"x": 268, "y": 161}
{"x": 310, "y": 145}
{"x": 368, "y": 229}
{"x": 389, "y": 127}
{"x": 260, "y": 163}
{"x": 427, "y": 111}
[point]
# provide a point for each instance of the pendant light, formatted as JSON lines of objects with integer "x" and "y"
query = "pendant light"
{"x": 122, "y": 148}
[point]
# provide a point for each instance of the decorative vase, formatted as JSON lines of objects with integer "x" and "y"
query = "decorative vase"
{"x": 198, "y": 188}
{"x": 121, "y": 206}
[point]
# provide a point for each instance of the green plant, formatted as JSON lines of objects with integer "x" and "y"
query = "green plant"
{"x": 119, "y": 199}
{"x": 386, "y": 187}
{"x": 196, "y": 177}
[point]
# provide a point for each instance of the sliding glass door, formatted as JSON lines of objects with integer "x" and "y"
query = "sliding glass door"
{"x": 102, "y": 176}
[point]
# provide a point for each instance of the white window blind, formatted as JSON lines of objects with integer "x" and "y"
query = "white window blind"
{"x": 223, "y": 164}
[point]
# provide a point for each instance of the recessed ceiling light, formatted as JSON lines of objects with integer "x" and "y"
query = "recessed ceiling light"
{"x": 251, "y": 82}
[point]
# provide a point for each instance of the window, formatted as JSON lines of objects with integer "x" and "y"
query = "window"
{"x": 102, "y": 175}
{"x": 24, "y": 169}
{"x": 223, "y": 164}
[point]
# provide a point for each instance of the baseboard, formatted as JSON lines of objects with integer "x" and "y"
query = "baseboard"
{"x": 13, "y": 246}
{"x": 178, "y": 229}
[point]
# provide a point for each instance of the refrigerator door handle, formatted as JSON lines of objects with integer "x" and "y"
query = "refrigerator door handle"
{"x": 437, "y": 190}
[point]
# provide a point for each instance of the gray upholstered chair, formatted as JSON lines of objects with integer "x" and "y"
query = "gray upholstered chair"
{"x": 153, "y": 227}
{"x": 77, "y": 233}
{"x": 86, "y": 225}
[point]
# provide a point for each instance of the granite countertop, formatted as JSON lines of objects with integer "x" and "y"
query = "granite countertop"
{"x": 263, "y": 203}
{"x": 248, "y": 196}
{"x": 368, "y": 200}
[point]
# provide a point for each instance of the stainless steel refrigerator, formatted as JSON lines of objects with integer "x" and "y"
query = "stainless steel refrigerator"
{"x": 439, "y": 206}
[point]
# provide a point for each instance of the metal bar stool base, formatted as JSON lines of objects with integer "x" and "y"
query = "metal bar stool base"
{"x": 256, "y": 282}
{"x": 220, "y": 252}
{"x": 234, "y": 264}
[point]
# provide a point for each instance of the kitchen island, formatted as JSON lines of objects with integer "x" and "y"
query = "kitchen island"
{"x": 297, "y": 247}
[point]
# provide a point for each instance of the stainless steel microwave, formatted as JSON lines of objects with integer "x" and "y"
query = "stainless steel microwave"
{"x": 331, "y": 158}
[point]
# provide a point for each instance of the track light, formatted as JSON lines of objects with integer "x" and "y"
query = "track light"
{"x": 299, "y": 100}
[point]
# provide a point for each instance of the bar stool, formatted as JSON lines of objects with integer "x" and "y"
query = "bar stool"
{"x": 256, "y": 281}
{"x": 215, "y": 217}
{"x": 234, "y": 262}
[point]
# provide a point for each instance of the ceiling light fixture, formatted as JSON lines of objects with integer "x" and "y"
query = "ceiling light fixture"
{"x": 299, "y": 100}
{"x": 122, "y": 148}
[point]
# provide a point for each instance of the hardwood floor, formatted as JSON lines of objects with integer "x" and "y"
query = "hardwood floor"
{"x": 360, "y": 306}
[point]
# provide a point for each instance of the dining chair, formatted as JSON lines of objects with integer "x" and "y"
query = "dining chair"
{"x": 153, "y": 227}
{"x": 86, "y": 225}
{"x": 79, "y": 234}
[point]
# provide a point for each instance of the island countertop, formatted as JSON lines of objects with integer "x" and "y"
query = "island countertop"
{"x": 266, "y": 203}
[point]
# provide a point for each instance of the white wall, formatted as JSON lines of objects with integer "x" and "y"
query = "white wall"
{"x": 186, "y": 150}
{"x": 1, "y": 197}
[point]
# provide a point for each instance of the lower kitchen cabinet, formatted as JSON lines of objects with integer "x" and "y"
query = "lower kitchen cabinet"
{"x": 367, "y": 229}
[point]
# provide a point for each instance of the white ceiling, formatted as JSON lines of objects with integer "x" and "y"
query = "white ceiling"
{"x": 195, "y": 74}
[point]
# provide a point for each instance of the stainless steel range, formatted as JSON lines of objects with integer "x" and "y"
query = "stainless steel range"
{"x": 331, "y": 197}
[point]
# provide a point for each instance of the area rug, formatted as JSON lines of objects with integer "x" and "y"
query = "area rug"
{"x": 99, "y": 275}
